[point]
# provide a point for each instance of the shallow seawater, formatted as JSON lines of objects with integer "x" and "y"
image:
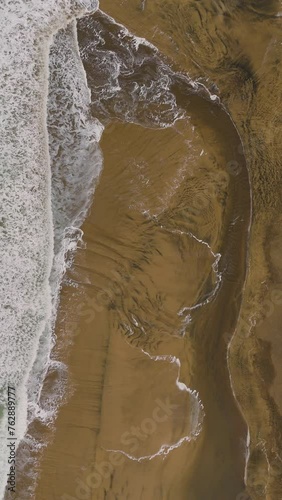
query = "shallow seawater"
{"x": 163, "y": 380}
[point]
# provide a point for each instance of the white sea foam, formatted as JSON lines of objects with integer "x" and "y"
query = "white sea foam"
{"x": 130, "y": 81}
{"x": 76, "y": 162}
{"x": 26, "y": 28}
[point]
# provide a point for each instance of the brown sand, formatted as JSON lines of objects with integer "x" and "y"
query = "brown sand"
{"x": 138, "y": 265}
{"x": 138, "y": 270}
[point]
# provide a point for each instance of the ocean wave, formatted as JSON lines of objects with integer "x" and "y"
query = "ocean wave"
{"x": 27, "y": 236}
{"x": 76, "y": 162}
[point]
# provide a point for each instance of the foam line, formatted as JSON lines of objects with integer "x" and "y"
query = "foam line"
{"x": 26, "y": 225}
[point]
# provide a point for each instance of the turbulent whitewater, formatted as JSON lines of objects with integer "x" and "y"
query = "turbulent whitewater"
{"x": 28, "y": 294}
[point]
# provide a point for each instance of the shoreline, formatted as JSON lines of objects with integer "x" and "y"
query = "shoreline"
{"x": 164, "y": 302}
{"x": 87, "y": 263}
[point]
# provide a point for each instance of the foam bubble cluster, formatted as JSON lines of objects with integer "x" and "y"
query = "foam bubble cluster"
{"x": 26, "y": 223}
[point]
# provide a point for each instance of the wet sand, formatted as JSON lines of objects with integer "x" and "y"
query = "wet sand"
{"x": 236, "y": 46}
{"x": 145, "y": 261}
{"x": 142, "y": 261}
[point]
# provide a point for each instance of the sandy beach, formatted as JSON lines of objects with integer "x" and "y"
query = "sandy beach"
{"x": 135, "y": 266}
{"x": 169, "y": 318}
